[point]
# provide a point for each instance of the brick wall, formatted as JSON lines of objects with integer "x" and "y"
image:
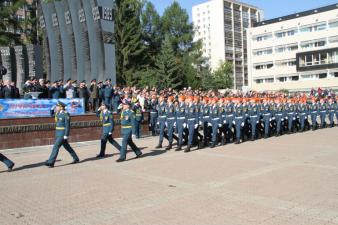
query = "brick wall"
{"x": 28, "y": 132}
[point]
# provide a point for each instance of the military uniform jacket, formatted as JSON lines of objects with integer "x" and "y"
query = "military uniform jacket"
{"x": 253, "y": 110}
{"x": 107, "y": 121}
{"x": 191, "y": 112}
{"x": 222, "y": 113}
{"x": 127, "y": 118}
{"x": 303, "y": 109}
{"x": 161, "y": 110}
{"x": 181, "y": 111}
{"x": 266, "y": 109}
{"x": 62, "y": 124}
{"x": 323, "y": 107}
{"x": 279, "y": 110}
{"x": 205, "y": 112}
{"x": 238, "y": 110}
{"x": 171, "y": 112}
{"x": 108, "y": 91}
{"x": 214, "y": 112}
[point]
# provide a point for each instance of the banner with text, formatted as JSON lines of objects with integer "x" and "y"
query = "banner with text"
{"x": 22, "y": 108}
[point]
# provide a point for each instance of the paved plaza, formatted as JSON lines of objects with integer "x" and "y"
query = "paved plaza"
{"x": 292, "y": 179}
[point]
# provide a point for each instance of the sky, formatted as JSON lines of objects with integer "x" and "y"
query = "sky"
{"x": 271, "y": 8}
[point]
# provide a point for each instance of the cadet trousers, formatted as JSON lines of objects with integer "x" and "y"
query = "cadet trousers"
{"x": 104, "y": 139}
{"x": 5, "y": 160}
{"x": 127, "y": 140}
{"x": 170, "y": 127}
{"x": 60, "y": 141}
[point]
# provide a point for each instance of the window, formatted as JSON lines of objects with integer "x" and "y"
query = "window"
{"x": 313, "y": 28}
{"x": 322, "y": 75}
{"x": 262, "y": 52}
{"x": 313, "y": 44}
{"x": 263, "y": 37}
{"x": 286, "y": 48}
{"x": 294, "y": 78}
{"x": 282, "y": 79}
{"x": 281, "y": 34}
{"x": 333, "y": 39}
{"x": 269, "y": 80}
{"x": 333, "y": 24}
{"x": 259, "y": 81}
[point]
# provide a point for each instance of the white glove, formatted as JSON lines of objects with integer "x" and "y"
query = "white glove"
{"x": 196, "y": 125}
{"x": 166, "y": 124}
{"x": 65, "y": 137}
{"x": 270, "y": 119}
{"x": 242, "y": 124}
{"x": 282, "y": 119}
{"x": 110, "y": 133}
{"x": 233, "y": 122}
{"x": 286, "y": 118}
{"x": 184, "y": 125}
{"x": 219, "y": 125}
{"x": 209, "y": 124}
{"x": 224, "y": 121}
{"x": 294, "y": 118}
{"x": 175, "y": 124}
{"x": 257, "y": 122}
{"x": 158, "y": 123}
{"x": 273, "y": 118}
{"x": 200, "y": 123}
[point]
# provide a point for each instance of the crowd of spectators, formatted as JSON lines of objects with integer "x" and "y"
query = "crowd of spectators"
{"x": 105, "y": 91}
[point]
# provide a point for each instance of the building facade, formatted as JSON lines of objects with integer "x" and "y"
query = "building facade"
{"x": 78, "y": 39}
{"x": 295, "y": 52}
{"x": 221, "y": 25}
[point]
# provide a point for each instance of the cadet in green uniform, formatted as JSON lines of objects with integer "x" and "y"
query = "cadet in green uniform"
{"x": 62, "y": 122}
{"x": 127, "y": 118}
{"x": 107, "y": 120}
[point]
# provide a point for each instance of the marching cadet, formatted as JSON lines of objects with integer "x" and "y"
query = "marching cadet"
{"x": 253, "y": 112}
{"x": 336, "y": 103}
{"x": 7, "y": 162}
{"x": 138, "y": 119}
{"x": 180, "y": 120}
{"x": 162, "y": 119}
{"x": 107, "y": 120}
{"x": 153, "y": 115}
{"x": 266, "y": 114}
{"x": 205, "y": 120}
{"x": 229, "y": 125}
{"x": 323, "y": 111}
{"x": 332, "y": 111}
{"x": 171, "y": 120}
{"x": 239, "y": 119}
{"x": 192, "y": 121}
{"x": 314, "y": 110}
{"x": 246, "y": 118}
{"x": 279, "y": 116}
{"x": 222, "y": 121}
{"x": 214, "y": 122}
{"x": 198, "y": 138}
{"x": 62, "y": 121}
{"x": 127, "y": 118}
{"x": 303, "y": 113}
{"x": 289, "y": 110}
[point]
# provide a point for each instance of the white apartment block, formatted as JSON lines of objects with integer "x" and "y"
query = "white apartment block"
{"x": 295, "y": 52}
{"x": 221, "y": 25}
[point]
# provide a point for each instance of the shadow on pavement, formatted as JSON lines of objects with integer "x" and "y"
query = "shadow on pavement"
{"x": 30, "y": 166}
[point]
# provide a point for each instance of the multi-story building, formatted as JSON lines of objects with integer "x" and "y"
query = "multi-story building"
{"x": 221, "y": 25}
{"x": 295, "y": 52}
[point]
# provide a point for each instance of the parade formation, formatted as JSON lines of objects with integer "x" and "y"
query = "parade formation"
{"x": 198, "y": 121}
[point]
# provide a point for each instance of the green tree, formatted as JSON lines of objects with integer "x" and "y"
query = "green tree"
{"x": 167, "y": 70}
{"x": 9, "y": 23}
{"x": 128, "y": 36}
{"x": 151, "y": 32}
{"x": 175, "y": 23}
{"x": 222, "y": 76}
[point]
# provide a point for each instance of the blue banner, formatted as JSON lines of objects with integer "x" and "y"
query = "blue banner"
{"x": 22, "y": 108}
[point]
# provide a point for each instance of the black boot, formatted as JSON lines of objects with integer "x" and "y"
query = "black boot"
{"x": 169, "y": 147}
{"x": 187, "y": 149}
{"x": 213, "y": 144}
{"x": 159, "y": 145}
{"x": 179, "y": 148}
{"x": 222, "y": 141}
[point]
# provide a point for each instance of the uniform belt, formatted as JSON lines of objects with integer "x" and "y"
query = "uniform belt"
{"x": 323, "y": 111}
{"x": 126, "y": 127}
{"x": 215, "y": 119}
{"x": 206, "y": 117}
{"x": 106, "y": 124}
{"x": 237, "y": 117}
{"x": 153, "y": 112}
{"x": 181, "y": 118}
{"x": 253, "y": 116}
{"x": 192, "y": 119}
{"x": 60, "y": 128}
{"x": 303, "y": 114}
{"x": 162, "y": 117}
{"x": 314, "y": 112}
{"x": 332, "y": 110}
{"x": 290, "y": 113}
{"x": 171, "y": 118}
{"x": 138, "y": 114}
{"x": 267, "y": 114}
{"x": 230, "y": 116}
{"x": 279, "y": 114}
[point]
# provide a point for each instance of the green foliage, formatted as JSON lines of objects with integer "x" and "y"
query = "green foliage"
{"x": 219, "y": 79}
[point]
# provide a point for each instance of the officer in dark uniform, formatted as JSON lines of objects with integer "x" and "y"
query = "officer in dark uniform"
{"x": 108, "y": 91}
{"x": 239, "y": 119}
{"x": 222, "y": 120}
{"x": 229, "y": 125}
{"x": 127, "y": 118}
{"x": 138, "y": 119}
{"x": 266, "y": 114}
{"x": 153, "y": 115}
{"x": 62, "y": 121}
{"x": 107, "y": 120}
{"x": 323, "y": 111}
{"x": 205, "y": 119}
{"x": 332, "y": 111}
{"x": 279, "y": 115}
{"x": 7, "y": 162}
{"x": 303, "y": 113}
